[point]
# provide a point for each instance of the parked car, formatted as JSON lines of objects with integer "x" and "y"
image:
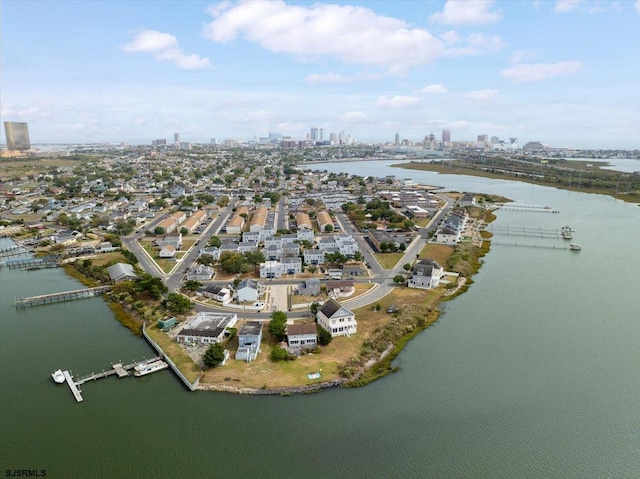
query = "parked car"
{"x": 391, "y": 309}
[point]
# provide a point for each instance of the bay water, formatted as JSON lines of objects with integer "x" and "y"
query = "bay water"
{"x": 534, "y": 372}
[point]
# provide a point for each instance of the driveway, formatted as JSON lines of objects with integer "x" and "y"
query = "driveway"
{"x": 278, "y": 297}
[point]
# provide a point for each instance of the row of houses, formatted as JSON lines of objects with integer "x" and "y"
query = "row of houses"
{"x": 451, "y": 231}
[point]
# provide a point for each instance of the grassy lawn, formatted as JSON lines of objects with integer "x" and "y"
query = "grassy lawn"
{"x": 164, "y": 264}
{"x": 106, "y": 258}
{"x": 265, "y": 373}
{"x": 438, "y": 252}
{"x": 187, "y": 243}
{"x": 388, "y": 260}
{"x": 185, "y": 364}
{"x": 422, "y": 222}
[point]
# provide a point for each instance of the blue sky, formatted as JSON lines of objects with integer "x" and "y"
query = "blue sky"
{"x": 565, "y": 72}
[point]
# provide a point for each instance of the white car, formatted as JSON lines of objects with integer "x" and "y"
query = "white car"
{"x": 259, "y": 306}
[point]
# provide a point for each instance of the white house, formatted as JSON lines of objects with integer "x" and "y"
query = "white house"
{"x": 206, "y": 328}
{"x": 447, "y": 236}
{"x": 217, "y": 293}
{"x": 305, "y": 235}
{"x": 168, "y": 251}
{"x": 302, "y": 336}
{"x": 337, "y": 319}
{"x": 426, "y": 275}
{"x": 249, "y": 290}
{"x": 200, "y": 273}
{"x": 313, "y": 256}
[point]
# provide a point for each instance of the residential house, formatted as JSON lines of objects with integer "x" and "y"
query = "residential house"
{"x": 250, "y": 290}
{"x": 324, "y": 219}
{"x": 200, "y": 273}
{"x": 337, "y": 319}
{"x": 303, "y": 221}
{"x": 249, "y": 339}
{"x": 302, "y": 336}
{"x": 206, "y": 328}
{"x": 313, "y": 256}
{"x": 309, "y": 287}
{"x": 121, "y": 272}
{"x": 168, "y": 251}
{"x": 305, "y": 235}
{"x": 217, "y": 293}
{"x": 426, "y": 274}
{"x": 340, "y": 288}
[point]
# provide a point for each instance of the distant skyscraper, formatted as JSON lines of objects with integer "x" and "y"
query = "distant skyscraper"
{"x": 397, "y": 142}
{"x": 483, "y": 138}
{"x": 17, "y": 134}
{"x": 176, "y": 137}
{"x": 432, "y": 137}
{"x": 214, "y": 141}
{"x": 314, "y": 134}
{"x": 334, "y": 138}
{"x": 446, "y": 136}
{"x": 321, "y": 134}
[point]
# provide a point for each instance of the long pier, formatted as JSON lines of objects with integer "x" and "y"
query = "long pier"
{"x": 31, "y": 263}
{"x": 528, "y": 208}
{"x": 524, "y": 231}
{"x": 540, "y": 246}
{"x": 12, "y": 251}
{"x": 118, "y": 369}
{"x": 59, "y": 297}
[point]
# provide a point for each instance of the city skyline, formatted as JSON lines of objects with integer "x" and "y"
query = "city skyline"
{"x": 125, "y": 72}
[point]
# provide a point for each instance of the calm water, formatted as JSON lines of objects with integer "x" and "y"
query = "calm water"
{"x": 534, "y": 372}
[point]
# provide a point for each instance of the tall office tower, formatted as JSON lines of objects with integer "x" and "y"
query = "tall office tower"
{"x": 314, "y": 133}
{"x": 432, "y": 137}
{"x": 483, "y": 138}
{"x": 17, "y": 134}
{"x": 214, "y": 141}
{"x": 494, "y": 140}
{"x": 334, "y": 138}
{"x": 342, "y": 138}
{"x": 513, "y": 141}
{"x": 446, "y": 136}
{"x": 397, "y": 142}
{"x": 176, "y": 137}
{"x": 321, "y": 134}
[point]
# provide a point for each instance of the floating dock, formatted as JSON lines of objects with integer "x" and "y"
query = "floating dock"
{"x": 118, "y": 369}
{"x": 528, "y": 208}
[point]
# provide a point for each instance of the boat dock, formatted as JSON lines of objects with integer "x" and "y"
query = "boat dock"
{"x": 525, "y": 231}
{"x": 118, "y": 369}
{"x": 59, "y": 297}
{"x": 527, "y": 208}
{"x": 12, "y": 251}
{"x": 539, "y": 246}
{"x": 31, "y": 263}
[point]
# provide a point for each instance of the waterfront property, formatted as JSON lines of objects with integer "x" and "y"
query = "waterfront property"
{"x": 302, "y": 336}
{"x": 426, "y": 274}
{"x": 249, "y": 339}
{"x": 337, "y": 319}
{"x": 121, "y": 272}
{"x": 206, "y": 328}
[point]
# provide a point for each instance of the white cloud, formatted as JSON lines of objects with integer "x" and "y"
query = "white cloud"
{"x": 638, "y": 6}
{"x": 251, "y": 117}
{"x": 164, "y": 47}
{"x": 521, "y": 55}
{"x": 467, "y": 12}
{"x": 493, "y": 126}
{"x": 325, "y": 78}
{"x": 352, "y": 117}
{"x": 563, "y": 6}
{"x": 482, "y": 95}
{"x": 435, "y": 88}
{"x": 450, "y": 37}
{"x": 353, "y": 35}
{"x": 26, "y": 113}
{"x": 397, "y": 102}
{"x": 478, "y": 44}
{"x": 532, "y": 72}
{"x": 140, "y": 121}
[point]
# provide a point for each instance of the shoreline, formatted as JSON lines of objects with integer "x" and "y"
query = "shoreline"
{"x": 457, "y": 169}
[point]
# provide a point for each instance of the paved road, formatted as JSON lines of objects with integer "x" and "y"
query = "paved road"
{"x": 382, "y": 279}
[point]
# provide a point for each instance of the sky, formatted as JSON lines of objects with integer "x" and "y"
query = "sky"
{"x": 562, "y": 72}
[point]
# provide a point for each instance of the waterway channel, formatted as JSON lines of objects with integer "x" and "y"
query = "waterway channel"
{"x": 534, "y": 372}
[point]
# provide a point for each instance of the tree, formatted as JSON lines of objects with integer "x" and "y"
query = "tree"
{"x": 192, "y": 285}
{"x": 278, "y": 325}
{"x": 159, "y": 230}
{"x": 398, "y": 279}
{"x": 214, "y": 355}
{"x": 184, "y": 231}
{"x": 223, "y": 200}
{"x": 205, "y": 259}
{"x": 214, "y": 242}
{"x": 406, "y": 266}
{"x": 279, "y": 354}
{"x": 358, "y": 256}
{"x": 154, "y": 286}
{"x": 324, "y": 336}
{"x": 314, "y": 308}
{"x": 403, "y": 247}
{"x": 328, "y": 228}
{"x": 384, "y": 247}
{"x": 177, "y": 304}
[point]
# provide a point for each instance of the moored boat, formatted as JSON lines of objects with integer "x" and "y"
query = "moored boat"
{"x": 58, "y": 376}
{"x": 145, "y": 368}
{"x": 575, "y": 247}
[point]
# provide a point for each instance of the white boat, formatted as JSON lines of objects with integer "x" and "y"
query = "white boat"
{"x": 575, "y": 247}
{"x": 58, "y": 376}
{"x": 145, "y": 368}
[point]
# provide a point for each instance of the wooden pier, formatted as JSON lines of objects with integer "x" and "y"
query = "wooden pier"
{"x": 539, "y": 246}
{"x": 122, "y": 371}
{"x": 59, "y": 297}
{"x": 527, "y": 208}
{"x": 524, "y": 231}
{"x": 12, "y": 251}
{"x": 31, "y": 263}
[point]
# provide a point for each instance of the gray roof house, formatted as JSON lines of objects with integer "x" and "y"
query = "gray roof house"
{"x": 309, "y": 287}
{"x": 249, "y": 339}
{"x": 337, "y": 319}
{"x": 121, "y": 272}
{"x": 302, "y": 336}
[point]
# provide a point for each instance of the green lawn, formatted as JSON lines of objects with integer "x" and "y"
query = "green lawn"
{"x": 388, "y": 260}
{"x": 181, "y": 359}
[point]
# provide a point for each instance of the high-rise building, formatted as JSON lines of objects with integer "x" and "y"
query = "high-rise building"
{"x": 314, "y": 133}
{"x": 176, "y": 137}
{"x": 334, "y": 138}
{"x": 397, "y": 142}
{"x": 446, "y": 136}
{"x": 17, "y": 134}
{"x": 321, "y": 134}
{"x": 483, "y": 138}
